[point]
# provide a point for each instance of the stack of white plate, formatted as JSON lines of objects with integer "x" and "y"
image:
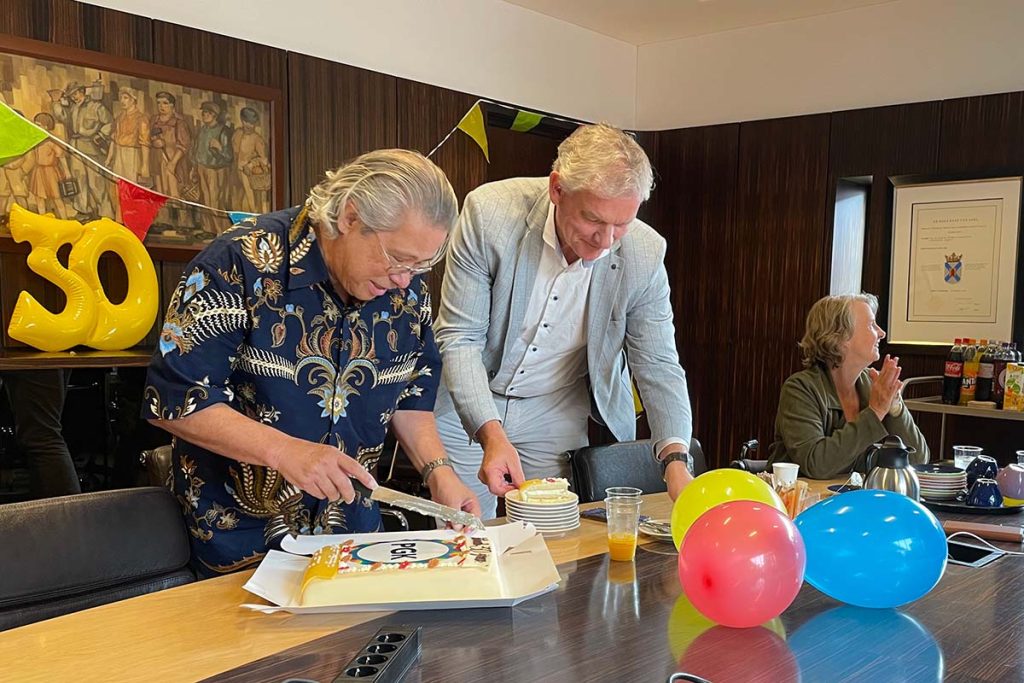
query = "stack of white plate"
{"x": 548, "y": 517}
{"x": 941, "y": 482}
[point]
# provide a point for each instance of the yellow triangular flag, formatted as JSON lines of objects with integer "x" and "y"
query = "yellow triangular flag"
{"x": 472, "y": 124}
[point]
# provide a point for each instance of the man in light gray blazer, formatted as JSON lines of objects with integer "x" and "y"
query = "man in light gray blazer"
{"x": 553, "y": 292}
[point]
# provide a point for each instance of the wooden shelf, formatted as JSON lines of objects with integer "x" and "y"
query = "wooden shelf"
{"x": 86, "y": 358}
{"x": 934, "y": 404}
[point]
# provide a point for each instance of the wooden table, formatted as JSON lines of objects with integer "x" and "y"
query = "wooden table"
{"x": 150, "y": 637}
{"x": 607, "y": 621}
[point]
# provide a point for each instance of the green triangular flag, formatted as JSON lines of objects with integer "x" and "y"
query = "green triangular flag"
{"x": 17, "y": 135}
{"x": 526, "y": 121}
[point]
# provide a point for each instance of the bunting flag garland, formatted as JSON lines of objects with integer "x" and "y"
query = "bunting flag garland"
{"x": 239, "y": 216}
{"x": 526, "y": 121}
{"x": 473, "y": 125}
{"x": 475, "y": 121}
{"x": 139, "y": 207}
{"x": 17, "y": 136}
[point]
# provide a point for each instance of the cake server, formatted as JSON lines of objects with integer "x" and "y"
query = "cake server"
{"x": 383, "y": 494}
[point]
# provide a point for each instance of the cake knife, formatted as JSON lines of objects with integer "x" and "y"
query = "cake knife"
{"x": 383, "y": 494}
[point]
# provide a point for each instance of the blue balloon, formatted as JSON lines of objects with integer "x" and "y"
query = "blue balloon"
{"x": 872, "y": 548}
{"x": 851, "y": 643}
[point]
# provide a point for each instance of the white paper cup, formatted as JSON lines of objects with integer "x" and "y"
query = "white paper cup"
{"x": 785, "y": 473}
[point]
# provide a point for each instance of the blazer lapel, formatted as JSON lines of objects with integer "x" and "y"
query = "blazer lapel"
{"x": 604, "y": 288}
{"x": 530, "y": 248}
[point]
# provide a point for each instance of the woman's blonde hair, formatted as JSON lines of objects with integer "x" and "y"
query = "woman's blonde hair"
{"x": 829, "y": 326}
{"x": 383, "y": 186}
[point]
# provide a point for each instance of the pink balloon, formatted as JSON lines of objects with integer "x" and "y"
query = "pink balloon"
{"x": 742, "y": 563}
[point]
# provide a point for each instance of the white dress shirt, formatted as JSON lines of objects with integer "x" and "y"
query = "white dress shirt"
{"x": 551, "y": 350}
{"x": 553, "y": 338}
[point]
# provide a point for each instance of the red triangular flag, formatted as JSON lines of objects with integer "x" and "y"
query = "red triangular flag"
{"x": 139, "y": 207}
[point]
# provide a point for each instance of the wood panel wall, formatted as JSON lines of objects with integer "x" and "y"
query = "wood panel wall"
{"x": 750, "y": 247}
{"x": 742, "y": 207}
{"x": 425, "y": 115}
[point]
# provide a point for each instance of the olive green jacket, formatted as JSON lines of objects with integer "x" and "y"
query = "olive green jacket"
{"x": 811, "y": 430}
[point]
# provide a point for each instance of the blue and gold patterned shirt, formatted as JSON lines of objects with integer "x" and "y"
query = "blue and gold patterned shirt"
{"x": 256, "y": 324}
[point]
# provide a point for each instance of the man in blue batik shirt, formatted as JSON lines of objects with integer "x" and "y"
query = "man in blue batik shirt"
{"x": 292, "y": 343}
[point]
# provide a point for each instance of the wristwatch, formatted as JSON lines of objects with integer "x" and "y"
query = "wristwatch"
{"x": 673, "y": 457}
{"x": 897, "y": 408}
{"x": 433, "y": 465}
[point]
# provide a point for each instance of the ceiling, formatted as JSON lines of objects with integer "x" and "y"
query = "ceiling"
{"x": 650, "y": 21}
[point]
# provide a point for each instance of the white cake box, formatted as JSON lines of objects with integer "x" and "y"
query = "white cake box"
{"x": 524, "y": 570}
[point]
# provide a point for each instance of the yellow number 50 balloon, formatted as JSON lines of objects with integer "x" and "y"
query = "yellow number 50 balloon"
{"x": 88, "y": 318}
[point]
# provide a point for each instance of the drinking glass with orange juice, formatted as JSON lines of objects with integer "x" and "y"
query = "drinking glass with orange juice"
{"x": 623, "y": 518}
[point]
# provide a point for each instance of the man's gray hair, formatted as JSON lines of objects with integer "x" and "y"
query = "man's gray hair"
{"x": 384, "y": 186}
{"x": 604, "y": 160}
{"x": 829, "y": 326}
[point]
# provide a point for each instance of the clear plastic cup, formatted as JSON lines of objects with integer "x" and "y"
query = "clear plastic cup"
{"x": 622, "y": 492}
{"x": 965, "y": 455}
{"x": 623, "y": 522}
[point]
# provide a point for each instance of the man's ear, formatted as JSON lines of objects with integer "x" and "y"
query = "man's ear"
{"x": 348, "y": 220}
{"x": 555, "y": 188}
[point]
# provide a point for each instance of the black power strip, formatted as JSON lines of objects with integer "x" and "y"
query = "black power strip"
{"x": 386, "y": 658}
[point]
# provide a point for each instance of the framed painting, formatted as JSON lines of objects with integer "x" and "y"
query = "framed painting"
{"x": 206, "y": 142}
{"x": 954, "y": 259}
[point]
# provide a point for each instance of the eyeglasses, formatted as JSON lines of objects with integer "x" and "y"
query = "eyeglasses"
{"x": 418, "y": 268}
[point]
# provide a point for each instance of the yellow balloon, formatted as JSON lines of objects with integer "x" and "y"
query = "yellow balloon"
{"x": 1012, "y": 501}
{"x": 714, "y": 488}
{"x": 88, "y": 317}
{"x": 118, "y": 326}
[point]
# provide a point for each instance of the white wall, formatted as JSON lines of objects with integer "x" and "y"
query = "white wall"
{"x": 484, "y": 47}
{"x": 905, "y": 51}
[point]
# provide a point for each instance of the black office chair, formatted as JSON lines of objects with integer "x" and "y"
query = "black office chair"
{"x": 748, "y": 464}
{"x": 65, "y": 554}
{"x": 628, "y": 463}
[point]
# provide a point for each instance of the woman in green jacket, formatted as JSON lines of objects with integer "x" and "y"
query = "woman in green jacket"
{"x": 831, "y": 412}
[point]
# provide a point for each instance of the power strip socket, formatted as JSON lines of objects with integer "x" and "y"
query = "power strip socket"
{"x": 386, "y": 658}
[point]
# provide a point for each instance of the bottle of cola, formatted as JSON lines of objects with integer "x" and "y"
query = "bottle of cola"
{"x": 953, "y": 374}
{"x": 986, "y": 369}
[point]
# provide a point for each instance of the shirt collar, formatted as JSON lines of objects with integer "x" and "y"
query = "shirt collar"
{"x": 551, "y": 239}
{"x": 306, "y": 264}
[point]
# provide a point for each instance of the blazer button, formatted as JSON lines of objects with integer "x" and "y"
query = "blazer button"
{"x": 614, "y": 266}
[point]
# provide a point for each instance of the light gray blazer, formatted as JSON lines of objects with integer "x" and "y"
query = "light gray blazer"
{"x": 489, "y": 274}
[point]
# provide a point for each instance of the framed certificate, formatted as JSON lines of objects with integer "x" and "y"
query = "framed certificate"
{"x": 954, "y": 260}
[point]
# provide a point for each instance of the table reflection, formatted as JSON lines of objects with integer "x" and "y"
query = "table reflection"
{"x": 872, "y": 644}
